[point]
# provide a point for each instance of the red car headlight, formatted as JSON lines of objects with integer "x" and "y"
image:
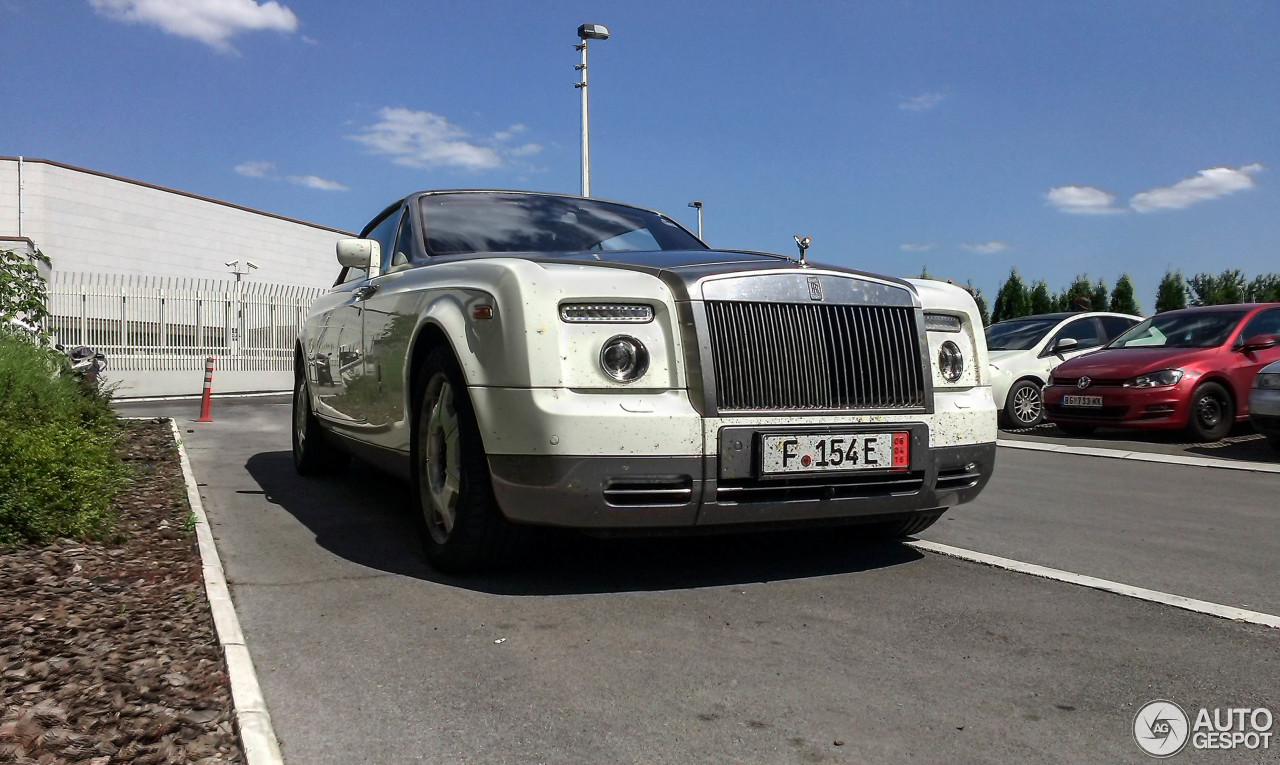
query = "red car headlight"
{"x": 1163, "y": 378}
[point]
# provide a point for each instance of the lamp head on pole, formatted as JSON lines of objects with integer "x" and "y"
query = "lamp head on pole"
{"x": 593, "y": 32}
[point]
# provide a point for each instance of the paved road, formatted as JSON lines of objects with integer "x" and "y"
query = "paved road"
{"x": 797, "y": 648}
{"x": 1243, "y": 444}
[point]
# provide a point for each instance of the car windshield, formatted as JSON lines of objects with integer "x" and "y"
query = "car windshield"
{"x": 1018, "y": 335}
{"x": 1200, "y": 329}
{"x": 482, "y": 222}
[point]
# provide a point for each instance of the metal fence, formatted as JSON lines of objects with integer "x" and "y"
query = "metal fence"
{"x": 158, "y": 323}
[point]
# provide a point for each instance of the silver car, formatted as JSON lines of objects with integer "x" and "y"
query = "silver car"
{"x": 1264, "y": 403}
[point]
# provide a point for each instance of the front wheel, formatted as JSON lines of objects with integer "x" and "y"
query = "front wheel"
{"x": 1212, "y": 414}
{"x": 312, "y": 454}
{"x": 461, "y": 526}
{"x": 1024, "y": 406}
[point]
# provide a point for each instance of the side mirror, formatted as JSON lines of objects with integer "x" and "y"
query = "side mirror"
{"x": 1064, "y": 345}
{"x": 360, "y": 253}
{"x": 1260, "y": 343}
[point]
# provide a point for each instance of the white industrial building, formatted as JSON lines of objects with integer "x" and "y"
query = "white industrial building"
{"x": 140, "y": 272}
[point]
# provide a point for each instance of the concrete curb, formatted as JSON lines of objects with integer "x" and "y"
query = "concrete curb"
{"x": 1122, "y": 454}
{"x": 256, "y": 734}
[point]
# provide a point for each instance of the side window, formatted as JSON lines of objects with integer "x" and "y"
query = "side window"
{"x": 1114, "y": 326}
{"x": 385, "y": 234}
{"x": 1084, "y": 331}
{"x": 1265, "y": 323}
{"x": 402, "y": 253}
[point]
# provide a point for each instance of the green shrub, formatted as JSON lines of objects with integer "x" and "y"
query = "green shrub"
{"x": 58, "y": 472}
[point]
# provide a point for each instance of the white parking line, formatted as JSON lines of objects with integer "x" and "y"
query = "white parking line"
{"x": 1122, "y": 454}
{"x": 1106, "y": 585}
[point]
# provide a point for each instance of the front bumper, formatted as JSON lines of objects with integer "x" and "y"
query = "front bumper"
{"x": 628, "y": 472}
{"x": 1167, "y": 407}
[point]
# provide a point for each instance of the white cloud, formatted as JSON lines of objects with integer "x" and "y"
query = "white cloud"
{"x": 316, "y": 182}
{"x": 985, "y": 248}
{"x": 1203, "y": 186}
{"x": 267, "y": 170}
{"x": 213, "y": 22}
{"x": 918, "y": 246}
{"x": 1084, "y": 200}
{"x": 425, "y": 140}
{"x": 921, "y": 103}
{"x": 256, "y": 169}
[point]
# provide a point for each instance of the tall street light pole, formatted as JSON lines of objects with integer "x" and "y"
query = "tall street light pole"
{"x": 587, "y": 32}
{"x": 695, "y": 204}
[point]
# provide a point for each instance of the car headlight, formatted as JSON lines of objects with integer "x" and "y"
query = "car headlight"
{"x": 1156, "y": 379}
{"x": 1267, "y": 381}
{"x": 624, "y": 358}
{"x": 950, "y": 361}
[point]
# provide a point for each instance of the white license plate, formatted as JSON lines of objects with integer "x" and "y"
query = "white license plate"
{"x": 824, "y": 453}
{"x": 1093, "y": 402}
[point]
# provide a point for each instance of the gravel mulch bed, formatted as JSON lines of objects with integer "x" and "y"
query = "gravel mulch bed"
{"x": 108, "y": 653}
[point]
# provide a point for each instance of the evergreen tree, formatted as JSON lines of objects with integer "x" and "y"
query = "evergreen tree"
{"x": 1041, "y": 300}
{"x": 1123, "y": 299}
{"x": 1172, "y": 292}
{"x": 1013, "y": 300}
{"x": 1264, "y": 289}
{"x": 1100, "y": 297}
{"x": 1224, "y": 289}
{"x": 981, "y": 300}
{"x": 1079, "y": 296}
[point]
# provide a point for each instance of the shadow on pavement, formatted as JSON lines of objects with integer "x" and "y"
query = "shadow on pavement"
{"x": 365, "y": 517}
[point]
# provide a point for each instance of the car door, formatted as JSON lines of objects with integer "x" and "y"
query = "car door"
{"x": 336, "y": 347}
{"x": 387, "y": 330}
{"x": 1246, "y": 363}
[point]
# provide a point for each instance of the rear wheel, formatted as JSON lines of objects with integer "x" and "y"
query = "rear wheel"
{"x": 461, "y": 526}
{"x": 312, "y": 454}
{"x": 1212, "y": 413}
{"x": 1024, "y": 406}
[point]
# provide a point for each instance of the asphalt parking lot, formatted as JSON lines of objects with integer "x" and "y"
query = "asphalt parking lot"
{"x": 786, "y": 648}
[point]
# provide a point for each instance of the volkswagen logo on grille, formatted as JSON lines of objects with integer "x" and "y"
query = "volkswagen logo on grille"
{"x": 815, "y": 288}
{"x": 1083, "y": 383}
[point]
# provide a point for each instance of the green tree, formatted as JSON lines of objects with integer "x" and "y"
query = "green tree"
{"x": 1101, "y": 296}
{"x": 1224, "y": 289}
{"x": 981, "y": 300}
{"x": 1123, "y": 297}
{"x": 1041, "y": 300}
{"x": 23, "y": 292}
{"x": 1264, "y": 289}
{"x": 1013, "y": 299}
{"x": 1172, "y": 292}
{"x": 1079, "y": 296}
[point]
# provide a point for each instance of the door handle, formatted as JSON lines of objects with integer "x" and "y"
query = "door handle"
{"x": 366, "y": 292}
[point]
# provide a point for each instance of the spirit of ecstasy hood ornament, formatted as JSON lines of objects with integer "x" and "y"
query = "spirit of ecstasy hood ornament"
{"x": 803, "y": 243}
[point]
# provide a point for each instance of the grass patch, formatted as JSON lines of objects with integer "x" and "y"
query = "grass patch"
{"x": 58, "y": 472}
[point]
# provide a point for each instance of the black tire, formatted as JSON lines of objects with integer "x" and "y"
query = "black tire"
{"x": 889, "y": 530}
{"x": 1212, "y": 412}
{"x": 312, "y": 453}
{"x": 1076, "y": 430}
{"x": 458, "y": 518}
{"x": 1024, "y": 406}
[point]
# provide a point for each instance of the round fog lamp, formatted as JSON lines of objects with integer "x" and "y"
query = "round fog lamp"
{"x": 950, "y": 361}
{"x": 624, "y": 358}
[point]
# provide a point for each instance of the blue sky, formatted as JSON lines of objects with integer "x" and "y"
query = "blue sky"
{"x": 1057, "y": 137}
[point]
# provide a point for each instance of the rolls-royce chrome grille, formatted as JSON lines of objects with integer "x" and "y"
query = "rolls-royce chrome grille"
{"x": 772, "y": 356}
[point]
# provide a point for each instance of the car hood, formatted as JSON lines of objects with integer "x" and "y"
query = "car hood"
{"x": 1117, "y": 363}
{"x": 1006, "y": 356}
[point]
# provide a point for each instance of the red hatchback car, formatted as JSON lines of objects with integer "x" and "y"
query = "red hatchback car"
{"x": 1190, "y": 368}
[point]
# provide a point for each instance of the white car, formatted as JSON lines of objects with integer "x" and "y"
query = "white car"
{"x": 541, "y": 359}
{"x": 1025, "y": 350}
{"x": 1264, "y": 403}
